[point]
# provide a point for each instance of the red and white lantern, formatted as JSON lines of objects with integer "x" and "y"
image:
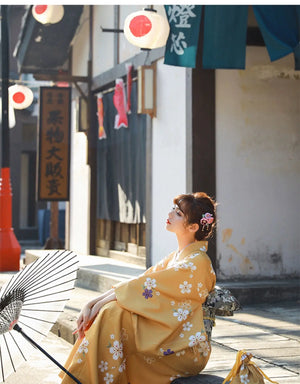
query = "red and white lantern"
{"x": 146, "y": 29}
{"x": 20, "y": 97}
{"x": 48, "y": 14}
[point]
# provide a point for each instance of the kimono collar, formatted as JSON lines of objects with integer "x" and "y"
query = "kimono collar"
{"x": 194, "y": 247}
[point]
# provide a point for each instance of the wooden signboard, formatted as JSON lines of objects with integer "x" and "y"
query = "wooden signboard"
{"x": 54, "y": 144}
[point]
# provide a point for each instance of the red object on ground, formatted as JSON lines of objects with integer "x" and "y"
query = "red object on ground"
{"x": 10, "y": 250}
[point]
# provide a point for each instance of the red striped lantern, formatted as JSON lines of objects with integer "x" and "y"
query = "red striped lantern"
{"x": 146, "y": 29}
{"x": 20, "y": 97}
{"x": 48, "y": 14}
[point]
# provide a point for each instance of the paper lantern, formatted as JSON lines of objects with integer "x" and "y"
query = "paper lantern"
{"x": 48, "y": 14}
{"x": 20, "y": 97}
{"x": 146, "y": 29}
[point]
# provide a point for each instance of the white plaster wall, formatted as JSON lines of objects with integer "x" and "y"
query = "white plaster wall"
{"x": 103, "y": 42}
{"x": 103, "y": 50}
{"x": 127, "y": 50}
{"x": 258, "y": 168}
{"x": 80, "y": 46}
{"x": 79, "y": 190}
{"x": 80, "y": 173}
{"x": 168, "y": 154}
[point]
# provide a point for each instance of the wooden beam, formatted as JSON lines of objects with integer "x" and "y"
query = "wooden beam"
{"x": 60, "y": 77}
{"x": 203, "y": 133}
{"x": 85, "y": 97}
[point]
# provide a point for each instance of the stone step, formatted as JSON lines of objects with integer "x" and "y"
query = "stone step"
{"x": 100, "y": 273}
{"x": 128, "y": 257}
{"x": 263, "y": 291}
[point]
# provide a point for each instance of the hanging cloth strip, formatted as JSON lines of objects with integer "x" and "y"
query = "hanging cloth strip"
{"x": 225, "y": 34}
{"x": 182, "y": 43}
{"x": 280, "y": 27}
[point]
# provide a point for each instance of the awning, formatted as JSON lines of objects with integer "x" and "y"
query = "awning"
{"x": 45, "y": 49}
{"x": 225, "y": 33}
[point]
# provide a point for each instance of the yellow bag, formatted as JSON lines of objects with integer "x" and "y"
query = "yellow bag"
{"x": 245, "y": 371}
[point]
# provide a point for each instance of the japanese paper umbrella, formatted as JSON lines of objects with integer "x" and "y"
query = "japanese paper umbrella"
{"x": 30, "y": 303}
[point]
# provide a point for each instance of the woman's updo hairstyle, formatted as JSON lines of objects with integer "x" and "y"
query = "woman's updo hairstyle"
{"x": 195, "y": 206}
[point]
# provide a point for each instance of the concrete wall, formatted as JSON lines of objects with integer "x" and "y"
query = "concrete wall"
{"x": 80, "y": 46}
{"x": 103, "y": 51}
{"x": 168, "y": 154}
{"x": 79, "y": 190}
{"x": 78, "y": 214}
{"x": 258, "y": 168}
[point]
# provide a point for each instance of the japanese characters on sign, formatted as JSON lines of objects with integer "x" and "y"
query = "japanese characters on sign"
{"x": 181, "y": 48}
{"x": 54, "y": 144}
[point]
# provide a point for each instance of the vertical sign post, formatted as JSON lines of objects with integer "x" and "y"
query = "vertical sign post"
{"x": 53, "y": 182}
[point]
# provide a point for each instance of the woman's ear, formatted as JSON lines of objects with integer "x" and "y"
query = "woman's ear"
{"x": 194, "y": 227}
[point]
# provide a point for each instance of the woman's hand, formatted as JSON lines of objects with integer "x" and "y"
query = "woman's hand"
{"x": 90, "y": 311}
{"x": 84, "y": 320}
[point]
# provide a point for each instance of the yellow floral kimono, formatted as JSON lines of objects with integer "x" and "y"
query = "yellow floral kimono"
{"x": 154, "y": 332}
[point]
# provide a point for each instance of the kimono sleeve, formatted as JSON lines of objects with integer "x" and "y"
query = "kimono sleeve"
{"x": 161, "y": 265}
{"x": 171, "y": 294}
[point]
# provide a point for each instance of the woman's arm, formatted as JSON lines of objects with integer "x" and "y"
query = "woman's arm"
{"x": 90, "y": 311}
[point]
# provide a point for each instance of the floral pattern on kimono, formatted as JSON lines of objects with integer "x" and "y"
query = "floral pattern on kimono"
{"x": 167, "y": 297}
{"x": 154, "y": 332}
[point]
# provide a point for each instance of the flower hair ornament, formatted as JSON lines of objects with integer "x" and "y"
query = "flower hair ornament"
{"x": 207, "y": 219}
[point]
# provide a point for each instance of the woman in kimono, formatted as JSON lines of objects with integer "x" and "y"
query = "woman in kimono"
{"x": 150, "y": 329}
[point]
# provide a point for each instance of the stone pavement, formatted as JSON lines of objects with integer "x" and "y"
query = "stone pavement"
{"x": 270, "y": 331}
{"x": 38, "y": 369}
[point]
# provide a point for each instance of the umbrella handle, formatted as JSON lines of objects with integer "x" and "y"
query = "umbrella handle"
{"x": 19, "y": 329}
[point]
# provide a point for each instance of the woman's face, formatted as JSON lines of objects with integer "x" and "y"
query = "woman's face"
{"x": 176, "y": 221}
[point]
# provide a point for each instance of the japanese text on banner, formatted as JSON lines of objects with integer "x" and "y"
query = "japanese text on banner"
{"x": 181, "y": 48}
{"x": 54, "y": 145}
